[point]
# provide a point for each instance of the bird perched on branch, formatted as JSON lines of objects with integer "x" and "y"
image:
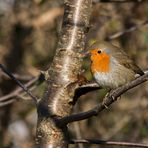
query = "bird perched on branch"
{"x": 111, "y": 66}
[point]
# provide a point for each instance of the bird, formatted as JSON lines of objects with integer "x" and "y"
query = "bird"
{"x": 111, "y": 66}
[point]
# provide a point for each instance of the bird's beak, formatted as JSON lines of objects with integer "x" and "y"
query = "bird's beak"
{"x": 87, "y": 53}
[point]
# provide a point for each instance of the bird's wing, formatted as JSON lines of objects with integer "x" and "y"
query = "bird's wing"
{"x": 125, "y": 60}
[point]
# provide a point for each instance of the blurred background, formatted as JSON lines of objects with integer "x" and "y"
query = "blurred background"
{"x": 29, "y": 32}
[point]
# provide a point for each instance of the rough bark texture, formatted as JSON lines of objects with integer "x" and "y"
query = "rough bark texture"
{"x": 63, "y": 76}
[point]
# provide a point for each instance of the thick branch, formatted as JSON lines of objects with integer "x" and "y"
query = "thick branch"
{"x": 112, "y": 97}
{"x": 58, "y": 99}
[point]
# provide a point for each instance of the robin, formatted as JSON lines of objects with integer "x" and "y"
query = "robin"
{"x": 111, "y": 66}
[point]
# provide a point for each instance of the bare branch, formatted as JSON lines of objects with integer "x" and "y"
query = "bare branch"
{"x": 112, "y": 97}
{"x": 86, "y": 88}
{"x": 18, "y": 90}
{"x": 7, "y": 102}
{"x": 17, "y": 97}
{"x": 78, "y": 134}
{"x": 103, "y": 142}
{"x": 23, "y": 87}
{"x": 17, "y": 76}
{"x": 116, "y": 1}
{"x": 11, "y": 97}
{"x": 63, "y": 75}
{"x": 19, "y": 83}
{"x": 45, "y": 18}
{"x": 133, "y": 28}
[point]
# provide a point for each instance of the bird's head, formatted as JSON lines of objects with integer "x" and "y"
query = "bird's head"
{"x": 100, "y": 54}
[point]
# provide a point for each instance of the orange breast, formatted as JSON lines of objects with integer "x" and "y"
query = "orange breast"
{"x": 100, "y": 62}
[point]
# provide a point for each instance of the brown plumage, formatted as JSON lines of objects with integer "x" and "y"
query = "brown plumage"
{"x": 111, "y": 66}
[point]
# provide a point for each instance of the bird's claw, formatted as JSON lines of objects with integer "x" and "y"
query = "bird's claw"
{"x": 113, "y": 98}
{"x": 104, "y": 103}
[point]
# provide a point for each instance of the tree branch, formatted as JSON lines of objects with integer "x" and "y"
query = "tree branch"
{"x": 112, "y": 97}
{"x": 7, "y": 102}
{"x": 85, "y": 88}
{"x": 116, "y": 1}
{"x": 18, "y": 90}
{"x": 63, "y": 75}
{"x": 120, "y": 33}
{"x": 17, "y": 76}
{"x": 103, "y": 142}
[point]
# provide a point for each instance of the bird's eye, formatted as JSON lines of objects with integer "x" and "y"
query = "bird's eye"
{"x": 99, "y": 51}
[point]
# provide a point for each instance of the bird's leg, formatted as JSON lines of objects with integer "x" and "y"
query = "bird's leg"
{"x": 104, "y": 99}
{"x": 111, "y": 96}
{"x": 108, "y": 95}
{"x": 104, "y": 102}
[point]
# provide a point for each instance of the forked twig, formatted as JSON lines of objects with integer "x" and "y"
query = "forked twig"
{"x": 19, "y": 83}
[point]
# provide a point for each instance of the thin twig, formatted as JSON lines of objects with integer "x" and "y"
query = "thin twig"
{"x": 14, "y": 98}
{"x": 7, "y": 102}
{"x": 120, "y": 33}
{"x": 78, "y": 134}
{"x": 112, "y": 97}
{"x": 17, "y": 76}
{"x": 18, "y": 90}
{"x": 116, "y": 1}
{"x": 19, "y": 83}
{"x": 103, "y": 142}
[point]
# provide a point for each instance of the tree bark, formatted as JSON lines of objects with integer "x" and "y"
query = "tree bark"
{"x": 63, "y": 76}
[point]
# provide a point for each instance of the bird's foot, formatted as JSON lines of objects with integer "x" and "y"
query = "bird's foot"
{"x": 110, "y": 95}
{"x": 113, "y": 98}
{"x": 105, "y": 105}
{"x": 104, "y": 102}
